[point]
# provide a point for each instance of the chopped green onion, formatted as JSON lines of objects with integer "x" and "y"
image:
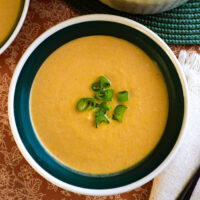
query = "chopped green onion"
{"x": 91, "y": 103}
{"x": 100, "y": 113}
{"x": 105, "y": 105}
{"x": 100, "y": 119}
{"x": 122, "y": 96}
{"x": 104, "y": 95}
{"x": 119, "y": 112}
{"x": 95, "y": 86}
{"x": 102, "y": 109}
{"x": 102, "y": 84}
{"x": 86, "y": 104}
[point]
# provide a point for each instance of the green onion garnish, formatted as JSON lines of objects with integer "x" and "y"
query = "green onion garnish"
{"x": 100, "y": 113}
{"x": 103, "y": 83}
{"x": 104, "y": 95}
{"x": 105, "y": 106}
{"x": 122, "y": 96}
{"x": 102, "y": 109}
{"x": 86, "y": 104}
{"x": 95, "y": 86}
{"x": 101, "y": 118}
{"x": 119, "y": 112}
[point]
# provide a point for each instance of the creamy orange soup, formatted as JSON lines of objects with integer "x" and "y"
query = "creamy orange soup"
{"x": 69, "y": 135}
{"x": 9, "y": 13}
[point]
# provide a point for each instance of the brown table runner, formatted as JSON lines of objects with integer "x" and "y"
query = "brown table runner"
{"x": 18, "y": 181}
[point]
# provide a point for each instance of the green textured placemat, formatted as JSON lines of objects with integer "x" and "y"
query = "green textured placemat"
{"x": 178, "y": 26}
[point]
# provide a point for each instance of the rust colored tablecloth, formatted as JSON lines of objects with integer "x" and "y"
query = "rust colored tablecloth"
{"x": 18, "y": 181}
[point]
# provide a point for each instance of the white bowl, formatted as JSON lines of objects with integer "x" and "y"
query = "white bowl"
{"x": 19, "y": 116}
{"x": 143, "y": 6}
{"x": 17, "y": 27}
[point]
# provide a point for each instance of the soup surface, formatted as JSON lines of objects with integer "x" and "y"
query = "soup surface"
{"x": 9, "y": 13}
{"x": 71, "y": 136}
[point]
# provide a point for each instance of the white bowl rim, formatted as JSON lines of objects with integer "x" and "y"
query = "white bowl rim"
{"x": 41, "y": 38}
{"x": 17, "y": 28}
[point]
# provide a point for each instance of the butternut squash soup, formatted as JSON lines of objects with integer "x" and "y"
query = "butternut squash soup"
{"x": 71, "y": 136}
{"x": 9, "y": 14}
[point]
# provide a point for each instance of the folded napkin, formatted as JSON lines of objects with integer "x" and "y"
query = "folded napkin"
{"x": 172, "y": 180}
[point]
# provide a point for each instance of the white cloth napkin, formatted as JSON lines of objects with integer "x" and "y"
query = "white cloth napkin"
{"x": 172, "y": 180}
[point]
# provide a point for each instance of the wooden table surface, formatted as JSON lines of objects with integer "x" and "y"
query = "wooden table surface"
{"x": 18, "y": 181}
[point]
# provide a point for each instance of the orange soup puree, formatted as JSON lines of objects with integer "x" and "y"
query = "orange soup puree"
{"x": 9, "y": 13}
{"x": 71, "y": 136}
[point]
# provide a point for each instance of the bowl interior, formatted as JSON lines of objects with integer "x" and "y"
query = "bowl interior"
{"x": 22, "y": 114}
{"x": 17, "y": 25}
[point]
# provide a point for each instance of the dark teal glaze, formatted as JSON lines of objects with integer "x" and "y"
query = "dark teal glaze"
{"x": 46, "y": 161}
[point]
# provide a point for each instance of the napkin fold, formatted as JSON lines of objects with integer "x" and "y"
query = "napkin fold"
{"x": 169, "y": 184}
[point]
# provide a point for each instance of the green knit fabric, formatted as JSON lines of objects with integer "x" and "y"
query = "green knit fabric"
{"x": 178, "y": 26}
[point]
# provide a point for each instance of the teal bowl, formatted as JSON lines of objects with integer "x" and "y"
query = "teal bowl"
{"x": 19, "y": 112}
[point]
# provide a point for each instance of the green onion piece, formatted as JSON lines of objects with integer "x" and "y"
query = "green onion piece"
{"x": 122, "y": 96}
{"x": 91, "y": 103}
{"x": 119, "y": 112}
{"x": 100, "y": 119}
{"x": 86, "y": 104}
{"x": 102, "y": 109}
{"x": 100, "y": 113}
{"x": 104, "y": 82}
{"x": 104, "y": 95}
{"x": 95, "y": 86}
{"x": 105, "y": 105}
